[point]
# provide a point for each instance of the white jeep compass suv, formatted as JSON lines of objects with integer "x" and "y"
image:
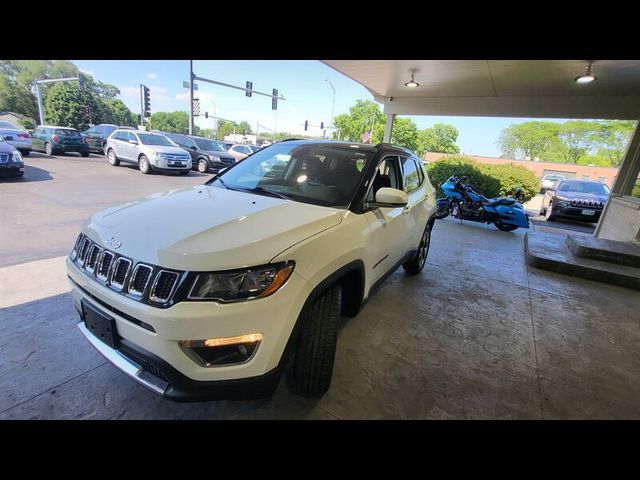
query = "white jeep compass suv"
{"x": 205, "y": 292}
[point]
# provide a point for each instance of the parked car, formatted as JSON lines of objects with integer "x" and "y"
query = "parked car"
{"x": 548, "y": 180}
{"x": 97, "y": 135}
{"x": 149, "y": 151}
{"x": 207, "y": 291}
{"x": 55, "y": 140}
{"x": 16, "y": 136}
{"x": 11, "y": 164}
{"x": 575, "y": 199}
{"x": 226, "y": 145}
{"x": 240, "y": 151}
{"x": 217, "y": 157}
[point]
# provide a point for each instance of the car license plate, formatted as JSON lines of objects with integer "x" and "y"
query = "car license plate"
{"x": 588, "y": 212}
{"x": 100, "y": 325}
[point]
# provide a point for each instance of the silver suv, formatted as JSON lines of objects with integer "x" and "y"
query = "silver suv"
{"x": 149, "y": 151}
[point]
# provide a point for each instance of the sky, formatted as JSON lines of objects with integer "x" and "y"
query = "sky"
{"x": 301, "y": 82}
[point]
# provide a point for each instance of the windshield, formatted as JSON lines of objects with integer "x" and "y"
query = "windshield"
{"x": 254, "y": 148}
{"x": 584, "y": 187}
{"x": 4, "y": 124}
{"x": 153, "y": 139}
{"x": 325, "y": 175}
{"x": 63, "y": 132}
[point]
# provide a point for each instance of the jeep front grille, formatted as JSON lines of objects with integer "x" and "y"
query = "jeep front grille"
{"x": 125, "y": 275}
{"x": 587, "y": 203}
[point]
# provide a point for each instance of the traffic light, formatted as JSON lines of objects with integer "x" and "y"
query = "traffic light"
{"x": 81, "y": 80}
{"x": 306, "y": 125}
{"x": 206, "y": 114}
{"x": 321, "y": 125}
{"x": 146, "y": 101}
{"x": 249, "y": 88}
{"x": 274, "y": 100}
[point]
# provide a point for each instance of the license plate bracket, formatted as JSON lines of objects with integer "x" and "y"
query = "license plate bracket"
{"x": 586, "y": 211}
{"x": 100, "y": 325}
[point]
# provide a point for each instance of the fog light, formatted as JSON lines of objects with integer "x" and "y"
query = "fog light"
{"x": 221, "y": 351}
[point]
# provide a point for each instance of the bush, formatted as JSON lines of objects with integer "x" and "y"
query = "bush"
{"x": 490, "y": 180}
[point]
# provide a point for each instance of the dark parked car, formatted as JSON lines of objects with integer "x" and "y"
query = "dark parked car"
{"x": 217, "y": 158}
{"x": 52, "y": 140}
{"x": 97, "y": 135}
{"x": 575, "y": 199}
{"x": 11, "y": 163}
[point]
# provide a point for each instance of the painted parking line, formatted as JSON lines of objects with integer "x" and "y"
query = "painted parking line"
{"x": 31, "y": 281}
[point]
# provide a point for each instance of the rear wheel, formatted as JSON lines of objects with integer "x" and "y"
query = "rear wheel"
{"x": 111, "y": 156}
{"x": 143, "y": 164}
{"x": 84, "y": 154}
{"x": 202, "y": 166}
{"x": 505, "y": 227}
{"x": 48, "y": 149}
{"x": 316, "y": 345}
{"x": 416, "y": 265}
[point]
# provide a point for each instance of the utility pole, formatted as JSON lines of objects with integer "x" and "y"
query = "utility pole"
{"x": 191, "y": 97}
{"x": 40, "y": 109}
{"x": 333, "y": 104}
{"x": 39, "y": 94}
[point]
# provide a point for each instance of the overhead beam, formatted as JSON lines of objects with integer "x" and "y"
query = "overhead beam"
{"x": 588, "y": 107}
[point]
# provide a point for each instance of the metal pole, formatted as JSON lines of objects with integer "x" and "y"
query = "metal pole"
{"x": 40, "y": 109}
{"x": 333, "y": 105}
{"x": 141, "y": 106}
{"x": 191, "y": 97}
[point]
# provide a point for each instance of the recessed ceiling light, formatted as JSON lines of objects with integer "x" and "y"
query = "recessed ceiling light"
{"x": 412, "y": 83}
{"x": 588, "y": 77}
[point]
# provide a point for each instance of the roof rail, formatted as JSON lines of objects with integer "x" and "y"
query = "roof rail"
{"x": 293, "y": 139}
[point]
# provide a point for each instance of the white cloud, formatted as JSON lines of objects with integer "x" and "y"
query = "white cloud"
{"x": 129, "y": 92}
{"x": 184, "y": 96}
{"x": 152, "y": 75}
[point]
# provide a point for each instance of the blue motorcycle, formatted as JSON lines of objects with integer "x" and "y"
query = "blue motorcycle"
{"x": 463, "y": 202}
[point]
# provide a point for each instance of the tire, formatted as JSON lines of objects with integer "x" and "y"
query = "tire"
{"x": 111, "y": 156}
{"x": 48, "y": 149}
{"x": 415, "y": 266}
{"x": 185, "y": 172}
{"x": 442, "y": 212}
{"x": 505, "y": 227}
{"x": 316, "y": 345}
{"x": 143, "y": 165}
{"x": 25, "y": 153}
{"x": 548, "y": 214}
{"x": 84, "y": 154}
{"x": 203, "y": 167}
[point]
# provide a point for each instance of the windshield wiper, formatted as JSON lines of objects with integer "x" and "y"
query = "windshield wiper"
{"x": 261, "y": 190}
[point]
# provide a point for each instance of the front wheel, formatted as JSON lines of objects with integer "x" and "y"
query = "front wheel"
{"x": 442, "y": 211}
{"x": 85, "y": 154}
{"x": 316, "y": 345}
{"x": 549, "y": 214}
{"x": 143, "y": 165}
{"x": 505, "y": 227}
{"x": 415, "y": 266}
{"x": 48, "y": 149}
{"x": 202, "y": 166}
{"x": 25, "y": 153}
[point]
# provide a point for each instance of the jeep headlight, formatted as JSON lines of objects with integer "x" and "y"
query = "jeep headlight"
{"x": 17, "y": 157}
{"x": 214, "y": 158}
{"x": 235, "y": 285}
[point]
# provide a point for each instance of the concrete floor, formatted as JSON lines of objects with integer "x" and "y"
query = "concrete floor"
{"x": 477, "y": 335}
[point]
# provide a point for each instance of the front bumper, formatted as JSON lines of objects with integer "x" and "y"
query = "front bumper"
{"x": 12, "y": 169}
{"x": 575, "y": 213}
{"x": 161, "y": 164}
{"x": 156, "y": 351}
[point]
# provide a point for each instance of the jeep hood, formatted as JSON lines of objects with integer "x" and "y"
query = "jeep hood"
{"x": 205, "y": 228}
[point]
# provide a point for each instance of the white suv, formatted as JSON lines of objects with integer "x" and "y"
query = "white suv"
{"x": 149, "y": 151}
{"x": 204, "y": 292}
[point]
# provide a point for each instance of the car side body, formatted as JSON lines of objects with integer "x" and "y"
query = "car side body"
{"x": 16, "y": 136}
{"x": 58, "y": 140}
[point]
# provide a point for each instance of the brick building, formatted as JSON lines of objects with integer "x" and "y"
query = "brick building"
{"x": 580, "y": 172}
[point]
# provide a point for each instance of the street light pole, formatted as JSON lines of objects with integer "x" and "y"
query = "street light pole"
{"x": 40, "y": 109}
{"x": 333, "y": 104}
{"x": 190, "y": 97}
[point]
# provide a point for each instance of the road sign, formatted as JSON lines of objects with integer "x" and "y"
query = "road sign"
{"x": 196, "y": 107}
{"x": 187, "y": 85}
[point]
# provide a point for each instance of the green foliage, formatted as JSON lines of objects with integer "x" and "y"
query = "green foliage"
{"x": 224, "y": 128}
{"x": 440, "y": 138}
{"x": 405, "y": 133}
{"x": 636, "y": 189}
{"x": 28, "y": 124}
{"x": 490, "y": 180}
{"x": 65, "y": 105}
{"x": 172, "y": 122}
{"x": 244, "y": 128}
{"x": 364, "y": 115}
{"x": 581, "y": 142}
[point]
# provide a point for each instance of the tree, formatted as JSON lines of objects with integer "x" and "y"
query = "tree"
{"x": 528, "y": 139}
{"x": 68, "y": 106}
{"x": 579, "y": 138}
{"x": 244, "y": 128}
{"x": 117, "y": 112}
{"x": 172, "y": 122}
{"x": 364, "y": 116}
{"x": 405, "y": 133}
{"x": 440, "y": 138}
{"x": 224, "y": 128}
{"x": 612, "y": 140}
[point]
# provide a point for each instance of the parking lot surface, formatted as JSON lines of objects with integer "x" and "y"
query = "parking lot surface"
{"x": 477, "y": 335}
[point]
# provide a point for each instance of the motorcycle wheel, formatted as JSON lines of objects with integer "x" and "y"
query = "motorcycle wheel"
{"x": 505, "y": 227}
{"x": 442, "y": 212}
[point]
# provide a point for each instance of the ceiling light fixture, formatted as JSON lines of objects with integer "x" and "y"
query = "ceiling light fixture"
{"x": 412, "y": 83}
{"x": 588, "y": 77}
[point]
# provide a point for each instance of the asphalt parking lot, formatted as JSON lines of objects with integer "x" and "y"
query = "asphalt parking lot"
{"x": 478, "y": 335}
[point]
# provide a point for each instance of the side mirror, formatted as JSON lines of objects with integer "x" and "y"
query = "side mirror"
{"x": 391, "y": 197}
{"x": 194, "y": 148}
